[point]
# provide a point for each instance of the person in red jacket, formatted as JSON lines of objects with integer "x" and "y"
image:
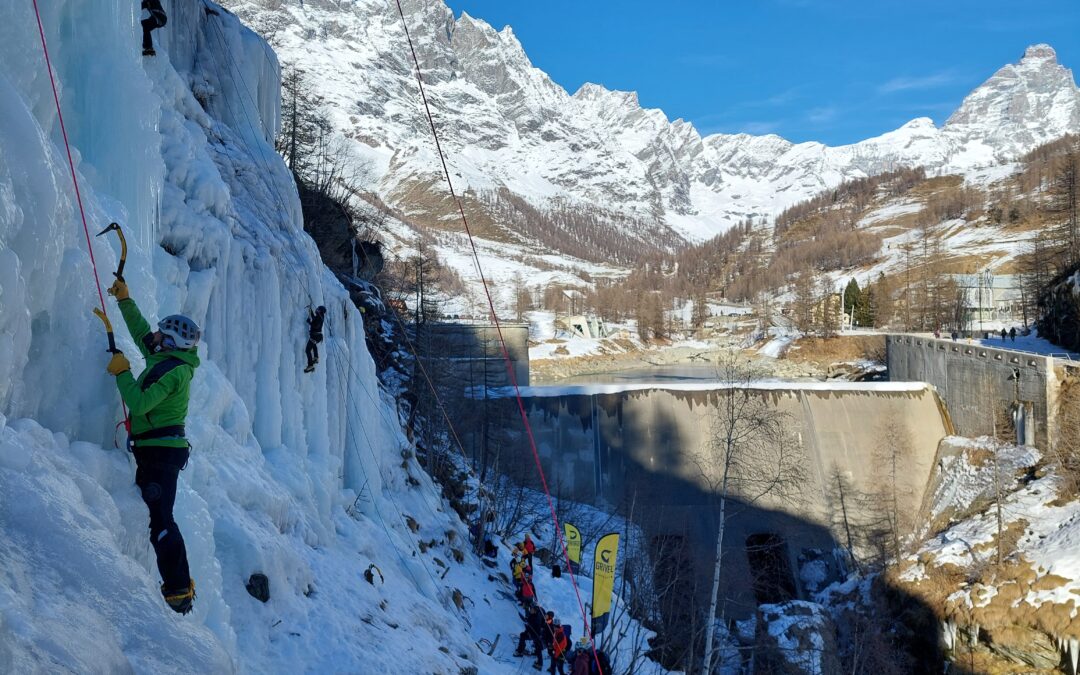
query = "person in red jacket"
{"x": 530, "y": 548}
{"x": 528, "y": 592}
{"x": 559, "y": 644}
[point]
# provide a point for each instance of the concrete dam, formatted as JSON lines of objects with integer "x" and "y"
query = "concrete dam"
{"x": 984, "y": 387}
{"x": 647, "y": 445}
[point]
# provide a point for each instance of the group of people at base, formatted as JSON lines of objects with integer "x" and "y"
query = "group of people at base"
{"x": 544, "y": 630}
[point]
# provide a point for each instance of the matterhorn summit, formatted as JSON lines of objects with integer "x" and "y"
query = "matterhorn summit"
{"x": 1022, "y": 105}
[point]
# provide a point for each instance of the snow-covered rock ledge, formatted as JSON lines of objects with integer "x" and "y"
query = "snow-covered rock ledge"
{"x": 1024, "y": 610}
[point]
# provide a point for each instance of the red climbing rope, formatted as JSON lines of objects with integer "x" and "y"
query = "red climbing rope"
{"x": 502, "y": 342}
{"x": 71, "y": 164}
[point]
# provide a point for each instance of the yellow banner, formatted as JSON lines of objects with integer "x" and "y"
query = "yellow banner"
{"x": 603, "y": 579}
{"x": 573, "y": 543}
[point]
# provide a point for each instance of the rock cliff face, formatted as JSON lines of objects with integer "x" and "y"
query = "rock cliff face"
{"x": 506, "y": 124}
{"x": 1060, "y": 320}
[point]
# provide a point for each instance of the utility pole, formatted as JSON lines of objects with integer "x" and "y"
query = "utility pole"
{"x": 986, "y": 281}
{"x": 843, "y": 305}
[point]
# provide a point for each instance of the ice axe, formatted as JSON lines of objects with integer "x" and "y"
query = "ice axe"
{"x": 115, "y": 227}
{"x": 126, "y": 422}
{"x": 119, "y": 274}
{"x": 100, "y": 313}
{"x": 108, "y": 329}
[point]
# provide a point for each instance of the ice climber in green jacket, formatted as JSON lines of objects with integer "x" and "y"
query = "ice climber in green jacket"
{"x": 158, "y": 403}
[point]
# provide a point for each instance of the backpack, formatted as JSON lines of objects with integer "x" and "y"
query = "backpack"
{"x": 605, "y": 664}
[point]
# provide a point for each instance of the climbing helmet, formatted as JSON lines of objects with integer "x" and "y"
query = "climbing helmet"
{"x": 184, "y": 332}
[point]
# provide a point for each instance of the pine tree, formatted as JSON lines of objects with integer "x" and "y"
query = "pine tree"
{"x": 643, "y": 314}
{"x": 304, "y": 125}
{"x": 805, "y": 302}
{"x": 1065, "y": 207}
{"x": 701, "y": 311}
{"x": 865, "y": 308}
{"x": 656, "y": 315}
{"x": 883, "y": 306}
{"x": 852, "y": 294}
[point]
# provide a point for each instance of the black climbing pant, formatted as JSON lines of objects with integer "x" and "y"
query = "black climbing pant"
{"x": 156, "y": 472}
{"x": 153, "y": 22}
{"x": 557, "y": 664}
{"x": 311, "y": 350}
{"x": 538, "y": 647}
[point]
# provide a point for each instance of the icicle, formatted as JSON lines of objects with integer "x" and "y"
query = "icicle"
{"x": 1074, "y": 651}
{"x": 947, "y": 635}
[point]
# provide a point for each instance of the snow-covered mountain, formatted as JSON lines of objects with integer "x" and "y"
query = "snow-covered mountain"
{"x": 505, "y": 123}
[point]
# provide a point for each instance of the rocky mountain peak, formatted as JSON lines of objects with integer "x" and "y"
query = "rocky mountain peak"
{"x": 1020, "y": 106}
{"x": 598, "y": 92}
{"x": 1039, "y": 52}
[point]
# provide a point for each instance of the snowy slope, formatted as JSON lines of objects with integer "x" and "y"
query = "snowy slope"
{"x": 504, "y": 123}
{"x": 307, "y": 479}
{"x": 1029, "y": 601}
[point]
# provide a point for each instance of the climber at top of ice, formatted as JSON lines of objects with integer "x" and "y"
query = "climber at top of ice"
{"x": 158, "y": 403}
{"x": 153, "y": 17}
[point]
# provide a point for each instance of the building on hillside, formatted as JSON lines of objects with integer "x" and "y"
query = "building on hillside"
{"x": 995, "y": 299}
{"x": 587, "y": 326}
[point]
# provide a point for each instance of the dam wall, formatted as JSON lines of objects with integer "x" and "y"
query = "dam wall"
{"x": 986, "y": 390}
{"x": 647, "y": 446}
{"x": 472, "y": 353}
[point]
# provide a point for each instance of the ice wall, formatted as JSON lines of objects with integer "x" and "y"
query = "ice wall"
{"x": 297, "y": 476}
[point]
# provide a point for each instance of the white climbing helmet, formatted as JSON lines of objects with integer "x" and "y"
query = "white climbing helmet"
{"x": 184, "y": 332}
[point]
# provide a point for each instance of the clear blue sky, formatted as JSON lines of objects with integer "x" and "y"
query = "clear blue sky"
{"x": 836, "y": 71}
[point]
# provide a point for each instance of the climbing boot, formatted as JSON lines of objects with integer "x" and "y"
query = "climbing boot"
{"x": 310, "y": 368}
{"x": 149, "y": 52}
{"x": 181, "y": 601}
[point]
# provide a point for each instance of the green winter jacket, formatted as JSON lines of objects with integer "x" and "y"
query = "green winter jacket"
{"x": 163, "y": 403}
